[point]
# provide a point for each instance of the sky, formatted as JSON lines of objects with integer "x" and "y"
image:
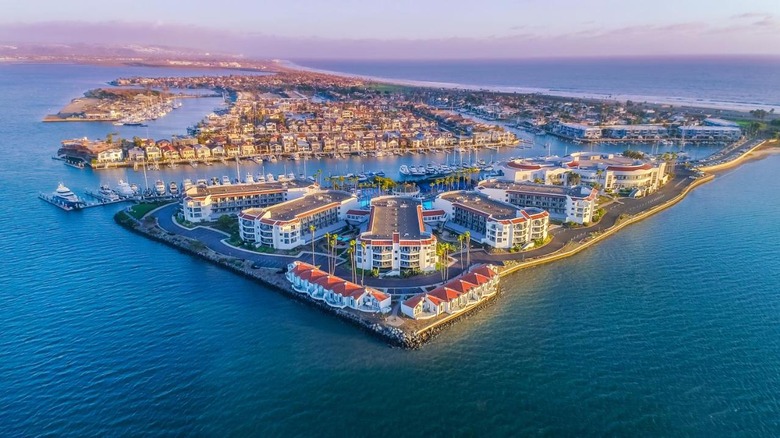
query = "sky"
{"x": 407, "y": 29}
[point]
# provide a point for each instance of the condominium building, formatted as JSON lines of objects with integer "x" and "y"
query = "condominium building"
{"x": 287, "y": 225}
{"x": 714, "y": 132}
{"x": 577, "y": 131}
{"x": 396, "y": 238}
{"x": 208, "y": 203}
{"x": 566, "y": 204}
{"x": 492, "y": 222}
{"x": 636, "y": 131}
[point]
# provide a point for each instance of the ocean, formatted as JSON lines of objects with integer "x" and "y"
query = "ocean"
{"x": 671, "y": 327}
{"x": 742, "y": 83}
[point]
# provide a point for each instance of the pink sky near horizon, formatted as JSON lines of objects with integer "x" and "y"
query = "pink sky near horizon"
{"x": 408, "y": 29}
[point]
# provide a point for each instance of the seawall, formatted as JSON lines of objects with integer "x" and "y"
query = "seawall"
{"x": 606, "y": 233}
{"x": 273, "y": 279}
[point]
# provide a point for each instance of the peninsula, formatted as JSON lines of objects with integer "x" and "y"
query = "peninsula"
{"x": 405, "y": 256}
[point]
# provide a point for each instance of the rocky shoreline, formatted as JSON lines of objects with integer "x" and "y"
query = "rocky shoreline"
{"x": 272, "y": 278}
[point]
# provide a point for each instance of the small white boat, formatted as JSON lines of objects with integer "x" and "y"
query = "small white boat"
{"x": 159, "y": 187}
{"x": 107, "y": 194}
{"x": 124, "y": 190}
{"x": 225, "y": 181}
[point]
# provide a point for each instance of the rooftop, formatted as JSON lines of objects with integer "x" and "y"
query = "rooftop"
{"x": 242, "y": 189}
{"x": 290, "y": 210}
{"x": 477, "y": 201}
{"x": 396, "y": 214}
{"x": 540, "y": 189}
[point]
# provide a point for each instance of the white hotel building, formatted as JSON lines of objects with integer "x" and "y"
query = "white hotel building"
{"x": 286, "y": 225}
{"x": 612, "y": 172}
{"x": 492, "y": 222}
{"x": 566, "y": 204}
{"x": 208, "y": 203}
{"x": 396, "y": 237}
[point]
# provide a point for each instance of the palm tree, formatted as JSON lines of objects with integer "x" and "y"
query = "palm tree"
{"x": 327, "y": 246}
{"x": 460, "y": 240}
{"x": 311, "y": 230}
{"x": 363, "y": 260}
{"x": 334, "y": 239}
{"x": 467, "y": 238}
{"x": 317, "y": 175}
{"x": 352, "y": 246}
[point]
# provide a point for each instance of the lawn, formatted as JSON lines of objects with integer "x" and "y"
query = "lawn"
{"x": 139, "y": 210}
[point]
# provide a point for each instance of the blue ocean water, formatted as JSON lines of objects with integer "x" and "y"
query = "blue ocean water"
{"x": 672, "y": 327}
{"x": 728, "y": 80}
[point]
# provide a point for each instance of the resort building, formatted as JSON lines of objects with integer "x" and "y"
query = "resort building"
{"x": 577, "y": 131}
{"x": 618, "y": 173}
{"x": 457, "y": 295}
{"x": 208, "y": 203}
{"x": 286, "y": 225}
{"x": 636, "y": 132}
{"x": 335, "y": 291}
{"x": 713, "y": 133}
{"x": 548, "y": 170}
{"x": 611, "y": 172}
{"x": 566, "y": 204}
{"x": 396, "y": 238}
{"x": 492, "y": 222}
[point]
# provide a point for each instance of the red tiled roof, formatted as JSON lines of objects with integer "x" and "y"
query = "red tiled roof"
{"x": 415, "y": 300}
{"x": 484, "y": 270}
{"x": 445, "y": 293}
{"x": 475, "y": 278}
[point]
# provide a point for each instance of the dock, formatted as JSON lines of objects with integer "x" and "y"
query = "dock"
{"x": 82, "y": 205}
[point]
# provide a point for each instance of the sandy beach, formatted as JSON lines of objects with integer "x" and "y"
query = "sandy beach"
{"x": 658, "y": 100}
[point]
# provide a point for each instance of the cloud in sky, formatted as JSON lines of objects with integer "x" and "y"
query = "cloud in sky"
{"x": 743, "y": 35}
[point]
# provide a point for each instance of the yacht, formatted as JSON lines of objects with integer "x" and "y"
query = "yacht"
{"x": 107, "y": 194}
{"x": 250, "y": 179}
{"x": 173, "y": 188}
{"x": 260, "y": 178}
{"x": 124, "y": 190}
{"x": 201, "y": 182}
{"x": 225, "y": 181}
{"x": 187, "y": 184}
{"x": 405, "y": 170}
{"x": 65, "y": 196}
{"x": 134, "y": 188}
{"x": 270, "y": 178}
{"x": 159, "y": 187}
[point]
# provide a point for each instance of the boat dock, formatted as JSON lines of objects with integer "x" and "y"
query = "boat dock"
{"x": 82, "y": 205}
